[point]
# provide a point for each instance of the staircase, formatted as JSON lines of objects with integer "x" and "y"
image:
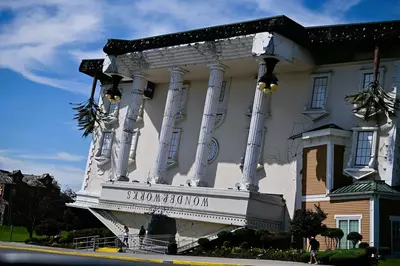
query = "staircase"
{"x": 109, "y": 220}
{"x": 189, "y": 243}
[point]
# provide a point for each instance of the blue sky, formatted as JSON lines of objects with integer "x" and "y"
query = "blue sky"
{"x": 43, "y": 41}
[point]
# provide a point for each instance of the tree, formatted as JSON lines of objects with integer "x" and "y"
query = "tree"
{"x": 373, "y": 100}
{"x": 49, "y": 227}
{"x": 88, "y": 113}
{"x": 36, "y": 203}
{"x": 307, "y": 223}
{"x": 355, "y": 238}
{"x": 332, "y": 237}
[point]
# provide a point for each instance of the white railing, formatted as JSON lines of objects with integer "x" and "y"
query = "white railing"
{"x": 149, "y": 244}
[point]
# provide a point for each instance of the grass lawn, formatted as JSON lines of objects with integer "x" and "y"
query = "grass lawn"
{"x": 389, "y": 262}
{"x": 20, "y": 234}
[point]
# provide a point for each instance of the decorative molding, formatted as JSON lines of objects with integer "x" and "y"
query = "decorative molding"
{"x": 183, "y": 95}
{"x": 171, "y": 162}
{"x": 315, "y": 114}
{"x": 363, "y": 171}
{"x": 222, "y": 103}
{"x": 132, "y": 152}
{"x": 214, "y": 143}
{"x": 103, "y": 159}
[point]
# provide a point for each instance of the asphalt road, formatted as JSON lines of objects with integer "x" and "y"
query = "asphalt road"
{"x": 24, "y": 257}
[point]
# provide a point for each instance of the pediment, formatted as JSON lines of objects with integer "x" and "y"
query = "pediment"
{"x": 359, "y": 173}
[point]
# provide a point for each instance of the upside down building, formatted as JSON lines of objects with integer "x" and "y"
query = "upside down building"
{"x": 191, "y": 135}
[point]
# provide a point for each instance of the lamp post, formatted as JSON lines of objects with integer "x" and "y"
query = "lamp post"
{"x": 268, "y": 83}
{"x": 113, "y": 94}
{"x": 12, "y": 192}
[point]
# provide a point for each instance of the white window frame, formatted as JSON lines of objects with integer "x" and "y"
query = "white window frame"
{"x": 103, "y": 159}
{"x": 317, "y": 113}
{"x": 362, "y": 171}
{"x": 174, "y": 160}
{"x": 362, "y": 72}
{"x": 181, "y": 114}
{"x": 134, "y": 143}
{"x": 221, "y": 108}
{"x": 346, "y": 217}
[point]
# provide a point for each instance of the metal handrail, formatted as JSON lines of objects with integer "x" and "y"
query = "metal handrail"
{"x": 86, "y": 242}
{"x": 154, "y": 244}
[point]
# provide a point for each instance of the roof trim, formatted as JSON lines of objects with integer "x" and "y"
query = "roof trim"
{"x": 279, "y": 24}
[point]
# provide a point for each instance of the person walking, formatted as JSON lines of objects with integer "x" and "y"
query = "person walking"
{"x": 126, "y": 236}
{"x": 314, "y": 249}
{"x": 142, "y": 233}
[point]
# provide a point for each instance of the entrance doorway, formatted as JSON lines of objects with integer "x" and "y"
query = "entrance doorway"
{"x": 395, "y": 234}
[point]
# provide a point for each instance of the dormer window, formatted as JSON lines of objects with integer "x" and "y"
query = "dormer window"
{"x": 367, "y": 76}
{"x": 103, "y": 154}
{"x": 319, "y": 88}
{"x": 362, "y": 160}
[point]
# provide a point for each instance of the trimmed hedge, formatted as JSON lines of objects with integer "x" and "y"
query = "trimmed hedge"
{"x": 101, "y": 232}
{"x": 339, "y": 257}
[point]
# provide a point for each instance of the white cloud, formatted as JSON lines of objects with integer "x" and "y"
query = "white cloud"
{"x": 66, "y": 175}
{"x": 60, "y": 156}
{"x": 45, "y": 34}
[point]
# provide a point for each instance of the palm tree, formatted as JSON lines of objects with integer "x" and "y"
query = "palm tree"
{"x": 88, "y": 113}
{"x": 373, "y": 100}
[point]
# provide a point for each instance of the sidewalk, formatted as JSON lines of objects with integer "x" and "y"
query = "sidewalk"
{"x": 181, "y": 260}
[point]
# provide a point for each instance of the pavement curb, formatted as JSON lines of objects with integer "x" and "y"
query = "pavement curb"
{"x": 72, "y": 253}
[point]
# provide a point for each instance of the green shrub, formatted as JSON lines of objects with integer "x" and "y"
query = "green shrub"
{"x": 349, "y": 257}
{"x": 225, "y": 235}
{"x": 355, "y": 238}
{"x": 363, "y": 245}
{"x": 244, "y": 245}
{"x": 227, "y": 244}
{"x": 243, "y": 235}
{"x": 101, "y": 232}
{"x": 203, "y": 241}
{"x": 276, "y": 241}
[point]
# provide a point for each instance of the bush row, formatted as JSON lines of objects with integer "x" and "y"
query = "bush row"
{"x": 345, "y": 257}
{"x": 67, "y": 241}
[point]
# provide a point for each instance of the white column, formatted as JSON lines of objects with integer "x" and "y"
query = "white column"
{"x": 330, "y": 171}
{"x": 168, "y": 122}
{"x": 139, "y": 85}
{"x": 254, "y": 139}
{"x": 215, "y": 81}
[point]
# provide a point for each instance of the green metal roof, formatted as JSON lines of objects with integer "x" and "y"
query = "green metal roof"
{"x": 365, "y": 187}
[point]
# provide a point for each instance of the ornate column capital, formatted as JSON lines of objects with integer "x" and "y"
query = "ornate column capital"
{"x": 139, "y": 74}
{"x": 218, "y": 66}
{"x": 178, "y": 70}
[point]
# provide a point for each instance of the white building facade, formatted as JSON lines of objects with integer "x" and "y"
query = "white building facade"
{"x": 194, "y": 139}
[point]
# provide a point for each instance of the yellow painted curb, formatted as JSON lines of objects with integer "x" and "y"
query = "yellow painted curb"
{"x": 108, "y": 250}
{"x": 71, "y": 253}
{"x": 82, "y": 254}
{"x": 204, "y": 263}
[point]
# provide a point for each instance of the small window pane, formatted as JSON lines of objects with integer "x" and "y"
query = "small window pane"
{"x": 111, "y": 108}
{"x": 364, "y": 148}
{"x": 222, "y": 93}
{"x": 173, "y": 146}
{"x": 344, "y": 225}
{"x": 367, "y": 79}
{"x": 105, "y": 146}
{"x": 319, "y": 92}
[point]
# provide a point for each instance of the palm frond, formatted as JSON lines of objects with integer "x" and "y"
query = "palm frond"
{"x": 373, "y": 99}
{"x": 87, "y": 114}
